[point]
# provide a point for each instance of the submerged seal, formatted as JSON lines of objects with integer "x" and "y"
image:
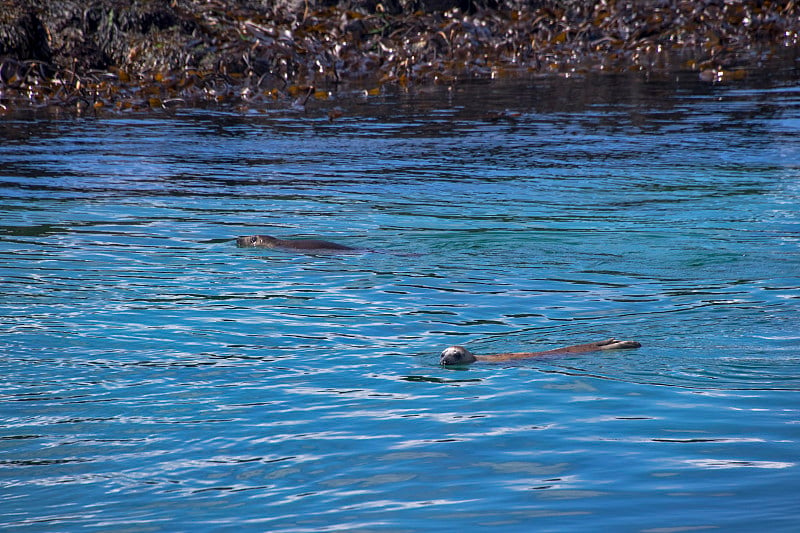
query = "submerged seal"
{"x": 306, "y": 245}
{"x": 458, "y": 355}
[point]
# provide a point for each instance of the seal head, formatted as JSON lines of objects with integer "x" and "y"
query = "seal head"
{"x": 257, "y": 240}
{"x": 456, "y": 355}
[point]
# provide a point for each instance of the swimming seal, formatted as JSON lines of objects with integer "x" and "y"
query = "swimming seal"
{"x": 305, "y": 245}
{"x": 458, "y": 355}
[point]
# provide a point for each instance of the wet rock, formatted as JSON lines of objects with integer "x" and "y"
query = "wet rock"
{"x": 22, "y": 34}
{"x": 117, "y": 54}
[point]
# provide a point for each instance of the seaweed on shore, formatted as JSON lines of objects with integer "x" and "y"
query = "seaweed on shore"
{"x": 147, "y": 54}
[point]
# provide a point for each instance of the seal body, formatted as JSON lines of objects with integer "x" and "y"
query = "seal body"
{"x": 459, "y": 356}
{"x": 305, "y": 245}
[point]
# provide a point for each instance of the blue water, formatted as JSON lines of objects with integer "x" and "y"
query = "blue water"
{"x": 157, "y": 378}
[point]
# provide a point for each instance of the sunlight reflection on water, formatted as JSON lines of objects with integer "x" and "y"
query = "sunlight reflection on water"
{"x": 156, "y": 374}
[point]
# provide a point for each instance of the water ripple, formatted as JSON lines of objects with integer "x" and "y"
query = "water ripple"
{"x": 155, "y": 374}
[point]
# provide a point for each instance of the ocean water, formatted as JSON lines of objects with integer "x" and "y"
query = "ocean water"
{"x": 155, "y": 377}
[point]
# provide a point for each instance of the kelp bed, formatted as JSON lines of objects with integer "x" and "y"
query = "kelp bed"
{"x": 111, "y": 54}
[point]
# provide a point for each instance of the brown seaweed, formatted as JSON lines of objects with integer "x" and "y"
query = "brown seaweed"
{"x": 114, "y": 55}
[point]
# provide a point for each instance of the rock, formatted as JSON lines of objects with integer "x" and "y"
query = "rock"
{"x": 116, "y": 54}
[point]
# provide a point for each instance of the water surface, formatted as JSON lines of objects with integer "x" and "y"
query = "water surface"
{"x": 156, "y": 377}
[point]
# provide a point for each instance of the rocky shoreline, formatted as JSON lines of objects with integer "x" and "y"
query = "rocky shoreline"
{"x": 145, "y": 54}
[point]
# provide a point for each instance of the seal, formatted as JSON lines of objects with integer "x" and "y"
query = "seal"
{"x": 458, "y": 355}
{"x": 303, "y": 245}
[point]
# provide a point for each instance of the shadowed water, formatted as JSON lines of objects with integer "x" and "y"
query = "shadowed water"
{"x": 157, "y": 377}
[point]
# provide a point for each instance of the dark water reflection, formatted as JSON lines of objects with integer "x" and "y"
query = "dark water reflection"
{"x": 157, "y": 377}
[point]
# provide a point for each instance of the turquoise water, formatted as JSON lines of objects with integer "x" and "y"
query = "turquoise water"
{"x": 157, "y": 378}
